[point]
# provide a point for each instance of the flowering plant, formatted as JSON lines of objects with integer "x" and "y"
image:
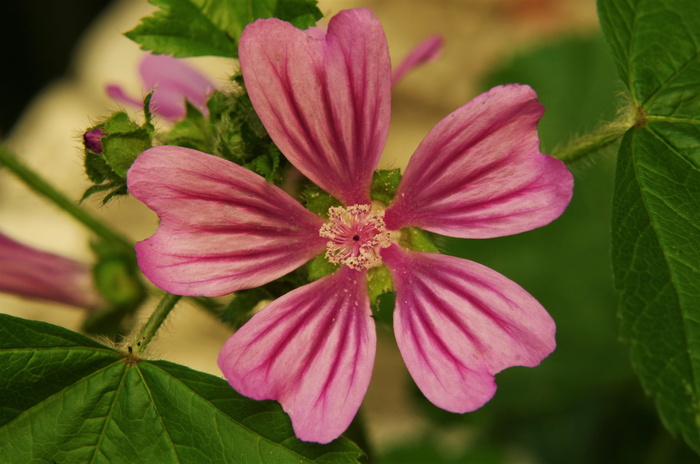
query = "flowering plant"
{"x": 276, "y": 217}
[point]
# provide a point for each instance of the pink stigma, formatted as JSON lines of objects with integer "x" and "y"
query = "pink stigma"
{"x": 355, "y": 235}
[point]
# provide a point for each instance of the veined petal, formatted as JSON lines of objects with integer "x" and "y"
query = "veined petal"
{"x": 457, "y": 323}
{"x": 426, "y": 51}
{"x": 479, "y": 173}
{"x": 173, "y": 81}
{"x": 32, "y": 273}
{"x": 223, "y": 228}
{"x": 324, "y": 101}
{"x": 312, "y": 350}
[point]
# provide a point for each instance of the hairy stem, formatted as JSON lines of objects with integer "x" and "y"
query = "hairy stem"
{"x": 154, "y": 322}
{"x": 605, "y": 135}
{"x": 43, "y": 188}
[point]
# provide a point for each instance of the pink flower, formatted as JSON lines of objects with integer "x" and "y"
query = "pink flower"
{"x": 326, "y": 104}
{"x": 32, "y": 273}
{"x": 424, "y": 52}
{"x": 172, "y": 82}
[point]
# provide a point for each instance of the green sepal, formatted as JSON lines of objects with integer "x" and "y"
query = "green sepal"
{"x": 383, "y": 309}
{"x": 319, "y": 201}
{"x": 268, "y": 165}
{"x": 227, "y": 115}
{"x": 416, "y": 239}
{"x": 96, "y": 166}
{"x": 379, "y": 283}
{"x": 118, "y": 187}
{"x": 191, "y": 132}
{"x": 320, "y": 267}
{"x": 118, "y": 190}
{"x": 148, "y": 114}
{"x": 124, "y": 140}
{"x": 384, "y": 185}
{"x": 238, "y": 135}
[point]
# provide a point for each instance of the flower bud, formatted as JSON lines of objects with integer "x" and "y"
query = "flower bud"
{"x": 93, "y": 140}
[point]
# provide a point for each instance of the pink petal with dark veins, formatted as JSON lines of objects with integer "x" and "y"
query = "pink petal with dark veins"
{"x": 479, "y": 173}
{"x": 324, "y": 101}
{"x": 223, "y": 228}
{"x": 457, "y": 323}
{"x": 312, "y": 350}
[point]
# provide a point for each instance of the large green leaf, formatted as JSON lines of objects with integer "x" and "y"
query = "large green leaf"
{"x": 65, "y": 398}
{"x": 656, "y": 211}
{"x": 212, "y": 27}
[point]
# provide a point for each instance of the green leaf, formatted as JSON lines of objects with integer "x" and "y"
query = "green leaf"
{"x": 656, "y": 210}
{"x": 180, "y": 28}
{"x": 656, "y": 46}
{"x": 66, "y": 398}
{"x": 204, "y": 27}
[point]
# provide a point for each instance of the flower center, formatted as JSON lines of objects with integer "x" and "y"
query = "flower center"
{"x": 355, "y": 236}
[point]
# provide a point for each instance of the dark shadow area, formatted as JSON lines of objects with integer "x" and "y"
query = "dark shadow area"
{"x": 38, "y": 38}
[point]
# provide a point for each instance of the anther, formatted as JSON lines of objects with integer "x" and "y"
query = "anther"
{"x": 356, "y": 235}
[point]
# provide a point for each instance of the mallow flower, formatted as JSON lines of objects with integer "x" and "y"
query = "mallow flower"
{"x": 32, "y": 273}
{"x": 172, "y": 82}
{"x": 325, "y": 101}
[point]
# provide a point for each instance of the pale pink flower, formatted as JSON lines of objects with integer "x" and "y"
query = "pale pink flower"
{"x": 36, "y": 274}
{"x": 326, "y": 103}
{"x": 172, "y": 82}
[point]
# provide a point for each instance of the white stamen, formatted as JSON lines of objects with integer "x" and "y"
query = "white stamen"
{"x": 355, "y": 236}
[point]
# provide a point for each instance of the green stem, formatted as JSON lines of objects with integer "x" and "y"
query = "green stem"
{"x": 586, "y": 145}
{"x": 155, "y": 321}
{"x": 43, "y": 188}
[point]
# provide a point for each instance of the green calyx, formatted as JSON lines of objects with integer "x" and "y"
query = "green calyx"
{"x": 122, "y": 142}
{"x": 416, "y": 239}
{"x": 320, "y": 267}
{"x": 384, "y": 185}
{"x": 318, "y": 201}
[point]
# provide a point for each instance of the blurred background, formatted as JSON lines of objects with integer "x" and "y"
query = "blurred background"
{"x": 582, "y": 405}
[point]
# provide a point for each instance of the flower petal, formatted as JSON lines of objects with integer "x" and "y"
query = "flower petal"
{"x": 457, "y": 323}
{"x": 223, "y": 228}
{"x": 117, "y": 93}
{"x": 426, "y": 51}
{"x": 312, "y": 350}
{"x": 32, "y": 273}
{"x": 325, "y": 102}
{"x": 173, "y": 81}
{"x": 479, "y": 172}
